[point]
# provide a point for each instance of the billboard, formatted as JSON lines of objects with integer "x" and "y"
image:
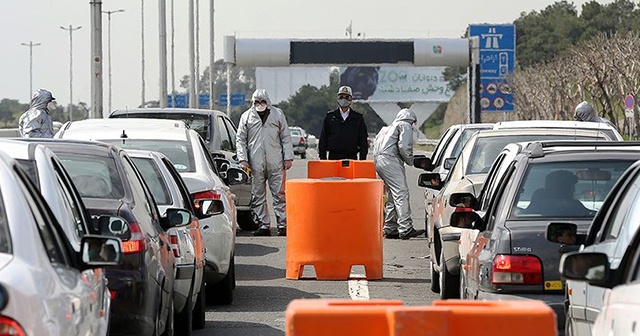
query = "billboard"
{"x": 396, "y": 84}
{"x": 497, "y": 62}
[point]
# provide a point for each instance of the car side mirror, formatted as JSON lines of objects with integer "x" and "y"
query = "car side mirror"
{"x": 175, "y": 217}
{"x": 113, "y": 226}
{"x": 430, "y": 180}
{"x": 99, "y": 251}
{"x": 206, "y": 207}
{"x": 463, "y": 200}
{"x": 563, "y": 233}
{"x": 448, "y": 163}
{"x": 236, "y": 176}
{"x": 423, "y": 162}
{"x": 591, "y": 267}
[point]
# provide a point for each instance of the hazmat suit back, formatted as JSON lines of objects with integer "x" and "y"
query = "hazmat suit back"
{"x": 265, "y": 146}
{"x": 36, "y": 121}
{"x": 585, "y": 112}
{"x": 393, "y": 147}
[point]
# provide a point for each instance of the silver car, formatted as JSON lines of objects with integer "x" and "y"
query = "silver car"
{"x": 48, "y": 288}
{"x": 188, "y": 153}
{"x": 169, "y": 191}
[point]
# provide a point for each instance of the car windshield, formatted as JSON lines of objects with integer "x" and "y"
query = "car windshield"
{"x": 94, "y": 176}
{"x": 570, "y": 189}
{"x": 486, "y": 149}
{"x": 196, "y": 122}
{"x": 153, "y": 178}
{"x": 180, "y": 153}
{"x": 5, "y": 238}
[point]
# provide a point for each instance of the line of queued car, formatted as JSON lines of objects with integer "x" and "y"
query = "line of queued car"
{"x": 538, "y": 210}
{"x": 116, "y": 226}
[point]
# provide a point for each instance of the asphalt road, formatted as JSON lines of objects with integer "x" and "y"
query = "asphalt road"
{"x": 262, "y": 293}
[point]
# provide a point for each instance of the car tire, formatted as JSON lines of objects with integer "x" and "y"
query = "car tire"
{"x": 449, "y": 283}
{"x": 200, "y": 308}
{"x": 245, "y": 221}
{"x": 221, "y": 293}
{"x": 184, "y": 319}
{"x": 435, "y": 279}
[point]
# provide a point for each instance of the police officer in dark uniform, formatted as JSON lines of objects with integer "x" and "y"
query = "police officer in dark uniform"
{"x": 344, "y": 133}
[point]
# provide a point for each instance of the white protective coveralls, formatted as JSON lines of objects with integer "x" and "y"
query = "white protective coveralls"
{"x": 585, "y": 112}
{"x": 265, "y": 147}
{"x": 392, "y": 148}
{"x": 36, "y": 121}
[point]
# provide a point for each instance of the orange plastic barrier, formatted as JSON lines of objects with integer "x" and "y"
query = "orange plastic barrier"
{"x": 444, "y": 318}
{"x": 334, "y": 225}
{"x": 349, "y": 169}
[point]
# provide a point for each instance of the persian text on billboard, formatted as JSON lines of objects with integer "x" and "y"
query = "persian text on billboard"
{"x": 396, "y": 84}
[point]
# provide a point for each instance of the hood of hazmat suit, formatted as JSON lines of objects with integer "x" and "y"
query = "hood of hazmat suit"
{"x": 36, "y": 121}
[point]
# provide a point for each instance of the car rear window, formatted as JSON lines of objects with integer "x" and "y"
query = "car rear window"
{"x": 153, "y": 178}
{"x": 180, "y": 153}
{"x": 94, "y": 176}
{"x": 570, "y": 189}
{"x": 30, "y": 168}
{"x": 5, "y": 237}
{"x": 486, "y": 149}
{"x": 196, "y": 122}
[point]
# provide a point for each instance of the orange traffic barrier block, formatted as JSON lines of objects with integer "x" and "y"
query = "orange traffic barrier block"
{"x": 334, "y": 225}
{"x": 348, "y": 169}
{"x": 311, "y": 317}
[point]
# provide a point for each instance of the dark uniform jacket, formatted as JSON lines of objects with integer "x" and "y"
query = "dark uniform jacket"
{"x": 343, "y": 139}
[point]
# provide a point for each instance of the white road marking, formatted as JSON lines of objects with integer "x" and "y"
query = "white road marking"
{"x": 358, "y": 287}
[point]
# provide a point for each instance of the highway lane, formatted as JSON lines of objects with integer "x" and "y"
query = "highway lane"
{"x": 262, "y": 292}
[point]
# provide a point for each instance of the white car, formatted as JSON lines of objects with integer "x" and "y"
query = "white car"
{"x": 188, "y": 153}
{"x": 46, "y": 285}
{"x": 169, "y": 191}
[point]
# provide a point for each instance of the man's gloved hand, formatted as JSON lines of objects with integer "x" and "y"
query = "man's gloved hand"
{"x": 244, "y": 165}
{"x": 288, "y": 164}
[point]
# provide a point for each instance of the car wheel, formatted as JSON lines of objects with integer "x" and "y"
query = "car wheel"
{"x": 449, "y": 283}
{"x": 245, "y": 221}
{"x": 435, "y": 279}
{"x": 200, "y": 308}
{"x": 184, "y": 319}
{"x": 221, "y": 293}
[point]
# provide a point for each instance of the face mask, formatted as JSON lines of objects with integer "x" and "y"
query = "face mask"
{"x": 261, "y": 107}
{"x": 344, "y": 102}
{"x": 52, "y": 105}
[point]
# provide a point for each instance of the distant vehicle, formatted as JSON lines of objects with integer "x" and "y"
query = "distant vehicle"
{"x": 170, "y": 191}
{"x": 547, "y": 182}
{"x": 44, "y": 279}
{"x": 203, "y": 176}
{"x": 299, "y": 141}
{"x": 109, "y": 183}
{"x": 219, "y": 134}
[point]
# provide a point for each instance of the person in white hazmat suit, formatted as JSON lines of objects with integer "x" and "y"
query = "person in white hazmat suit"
{"x": 392, "y": 148}
{"x": 264, "y": 145}
{"x": 36, "y": 121}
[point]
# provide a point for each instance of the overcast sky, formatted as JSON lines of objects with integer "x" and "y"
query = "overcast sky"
{"x": 39, "y": 21}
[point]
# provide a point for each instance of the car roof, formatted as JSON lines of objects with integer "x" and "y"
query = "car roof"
{"x": 483, "y": 126}
{"x": 17, "y": 149}
{"x": 551, "y": 124}
{"x": 555, "y": 131}
{"x": 542, "y": 148}
{"x": 167, "y": 110}
{"x": 138, "y": 128}
{"x": 140, "y": 153}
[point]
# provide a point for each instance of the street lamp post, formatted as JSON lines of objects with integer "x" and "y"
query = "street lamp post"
{"x": 30, "y": 45}
{"x": 109, "y": 47}
{"x": 70, "y": 29}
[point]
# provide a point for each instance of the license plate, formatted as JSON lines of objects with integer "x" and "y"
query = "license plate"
{"x": 553, "y": 285}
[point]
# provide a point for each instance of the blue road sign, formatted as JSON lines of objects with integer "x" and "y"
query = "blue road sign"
{"x": 181, "y": 100}
{"x": 237, "y": 99}
{"x": 497, "y": 62}
{"x": 203, "y": 100}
